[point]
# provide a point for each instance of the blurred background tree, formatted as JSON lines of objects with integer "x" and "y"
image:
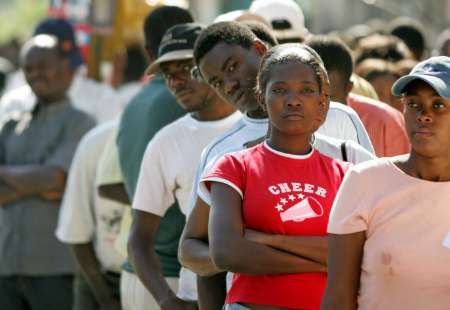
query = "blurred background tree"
{"x": 18, "y": 18}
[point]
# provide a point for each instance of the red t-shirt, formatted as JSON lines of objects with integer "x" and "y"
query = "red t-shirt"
{"x": 282, "y": 194}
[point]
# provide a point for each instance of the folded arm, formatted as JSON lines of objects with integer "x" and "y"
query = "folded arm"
{"x": 312, "y": 247}
{"x": 8, "y": 194}
{"x": 231, "y": 251}
{"x": 47, "y": 181}
{"x": 115, "y": 192}
{"x": 193, "y": 252}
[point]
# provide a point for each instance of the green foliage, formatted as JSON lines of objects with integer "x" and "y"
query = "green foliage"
{"x": 19, "y": 19}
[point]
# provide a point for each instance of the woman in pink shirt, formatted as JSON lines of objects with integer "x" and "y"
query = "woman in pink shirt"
{"x": 389, "y": 228}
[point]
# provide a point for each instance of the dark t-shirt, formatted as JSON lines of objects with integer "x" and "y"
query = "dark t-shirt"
{"x": 153, "y": 108}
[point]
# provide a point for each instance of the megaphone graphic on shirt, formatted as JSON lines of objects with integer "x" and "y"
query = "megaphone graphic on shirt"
{"x": 305, "y": 209}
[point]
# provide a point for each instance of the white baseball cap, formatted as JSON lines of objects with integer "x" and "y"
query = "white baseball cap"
{"x": 285, "y": 16}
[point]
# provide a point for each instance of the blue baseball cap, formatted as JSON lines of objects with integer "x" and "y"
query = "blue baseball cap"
{"x": 63, "y": 30}
{"x": 435, "y": 71}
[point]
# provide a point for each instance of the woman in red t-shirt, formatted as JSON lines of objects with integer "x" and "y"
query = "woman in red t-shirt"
{"x": 271, "y": 202}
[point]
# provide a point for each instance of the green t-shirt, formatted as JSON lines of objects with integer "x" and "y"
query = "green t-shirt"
{"x": 153, "y": 108}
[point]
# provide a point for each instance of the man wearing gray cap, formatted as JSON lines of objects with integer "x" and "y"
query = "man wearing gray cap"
{"x": 166, "y": 176}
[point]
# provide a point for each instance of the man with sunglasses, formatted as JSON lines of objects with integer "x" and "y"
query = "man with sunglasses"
{"x": 170, "y": 161}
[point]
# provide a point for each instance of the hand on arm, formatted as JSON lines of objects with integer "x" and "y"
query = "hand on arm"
{"x": 311, "y": 247}
{"x": 146, "y": 264}
{"x": 90, "y": 267}
{"x": 27, "y": 180}
{"x": 231, "y": 251}
{"x": 8, "y": 194}
{"x": 114, "y": 192}
{"x": 34, "y": 179}
{"x": 344, "y": 269}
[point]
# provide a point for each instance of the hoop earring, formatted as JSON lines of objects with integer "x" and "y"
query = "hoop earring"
{"x": 313, "y": 139}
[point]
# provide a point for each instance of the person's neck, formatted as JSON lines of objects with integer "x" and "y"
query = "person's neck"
{"x": 297, "y": 145}
{"x": 258, "y": 114}
{"x": 436, "y": 169}
{"x": 214, "y": 111}
{"x": 51, "y": 101}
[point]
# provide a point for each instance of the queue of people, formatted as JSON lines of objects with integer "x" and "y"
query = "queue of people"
{"x": 260, "y": 167}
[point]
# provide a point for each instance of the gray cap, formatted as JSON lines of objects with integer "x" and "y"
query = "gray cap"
{"x": 435, "y": 71}
{"x": 176, "y": 44}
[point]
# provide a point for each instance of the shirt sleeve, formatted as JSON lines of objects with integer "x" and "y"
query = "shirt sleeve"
{"x": 77, "y": 125}
{"x": 363, "y": 136}
{"x": 76, "y": 217}
{"x": 350, "y": 210}
{"x": 356, "y": 153}
{"x": 229, "y": 170}
{"x": 108, "y": 170}
{"x": 156, "y": 184}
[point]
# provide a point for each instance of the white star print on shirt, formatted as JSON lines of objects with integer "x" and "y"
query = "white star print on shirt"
{"x": 301, "y": 196}
{"x": 279, "y": 207}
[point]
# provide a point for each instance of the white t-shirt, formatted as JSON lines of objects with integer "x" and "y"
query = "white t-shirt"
{"x": 168, "y": 170}
{"x": 344, "y": 123}
{"x": 99, "y": 100}
{"x": 84, "y": 215}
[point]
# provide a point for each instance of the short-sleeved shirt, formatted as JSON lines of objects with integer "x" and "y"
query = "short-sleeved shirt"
{"x": 109, "y": 173}
{"x": 47, "y": 136}
{"x": 281, "y": 194}
{"x": 153, "y": 108}
{"x": 166, "y": 176}
{"x": 150, "y": 110}
{"x": 406, "y": 255}
{"x": 343, "y": 123}
{"x": 384, "y": 124}
{"x": 85, "y": 216}
{"x": 249, "y": 129}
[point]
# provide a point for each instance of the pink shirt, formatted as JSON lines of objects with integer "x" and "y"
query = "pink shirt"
{"x": 406, "y": 260}
{"x": 384, "y": 124}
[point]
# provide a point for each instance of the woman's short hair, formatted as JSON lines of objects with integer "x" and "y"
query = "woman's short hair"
{"x": 290, "y": 53}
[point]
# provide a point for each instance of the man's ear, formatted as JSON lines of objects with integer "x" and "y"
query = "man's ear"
{"x": 261, "y": 101}
{"x": 66, "y": 65}
{"x": 260, "y": 47}
{"x": 324, "y": 104}
{"x": 349, "y": 87}
{"x": 150, "y": 56}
